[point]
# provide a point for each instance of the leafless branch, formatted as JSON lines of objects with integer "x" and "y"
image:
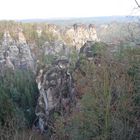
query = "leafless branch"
{"x": 137, "y": 3}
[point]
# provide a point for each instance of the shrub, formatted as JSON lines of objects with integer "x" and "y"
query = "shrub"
{"x": 109, "y": 107}
{"x": 18, "y": 93}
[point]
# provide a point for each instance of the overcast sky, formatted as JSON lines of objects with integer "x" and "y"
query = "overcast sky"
{"x": 29, "y": 9}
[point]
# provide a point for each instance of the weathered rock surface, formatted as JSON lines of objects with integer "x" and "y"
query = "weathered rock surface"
{"x": 75, "y": 35}
{"x": 57, "y": 48}
{"x": 79, "y": 34}
{"x": 57, "y": 92}
{"x": 16, "y": 54}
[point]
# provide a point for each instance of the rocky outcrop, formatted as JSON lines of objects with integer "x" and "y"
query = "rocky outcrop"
{"x": 75, "y": 35}
{"x": 55, "y": 84}
{"x": 21, "y": 37}
{"x": 16, "y": 53}
{"x": 56, "y": 48}
{"x": 87, "y": 49}
{"x": 79, "y": 34}
{"x": 55, "y": 31}
{"x": 56, "y": 93}
{"x": 58, "y": 87}
{"x": 39, "y": 31}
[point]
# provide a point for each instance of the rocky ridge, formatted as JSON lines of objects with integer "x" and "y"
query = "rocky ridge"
{"x": 75, "y": 35}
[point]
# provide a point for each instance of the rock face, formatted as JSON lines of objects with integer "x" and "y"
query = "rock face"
{"x": 21, "y": 37}
{"x": 89, "y": 51}
{"x": 39, "y": 31}
{"x": 56, "y": 48}
{"x": 79, "y": 34}
{"x": 57, "y": 92}
{"x": 16, "y": 53}
{"x": 54, "y": 30}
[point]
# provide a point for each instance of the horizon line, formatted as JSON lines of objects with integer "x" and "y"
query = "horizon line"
{"x": 66, "y": 18}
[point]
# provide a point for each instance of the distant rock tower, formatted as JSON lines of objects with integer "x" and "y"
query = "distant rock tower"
{"x": 21, "y": 36}
{"x": 92, "y": 33}
{"x": 7, "y": 39}
{"x": 16, "y": 54}
{"x": 81, "y": 33}
{"x": 39, "y": 31}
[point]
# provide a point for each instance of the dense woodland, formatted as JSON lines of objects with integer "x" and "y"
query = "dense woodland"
{"x": 108, "y": 99}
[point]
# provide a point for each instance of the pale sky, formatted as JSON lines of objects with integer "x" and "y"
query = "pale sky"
{"x": 30, "y": 9}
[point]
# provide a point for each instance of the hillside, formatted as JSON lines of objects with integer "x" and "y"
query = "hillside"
{"x": 74, "y": 79}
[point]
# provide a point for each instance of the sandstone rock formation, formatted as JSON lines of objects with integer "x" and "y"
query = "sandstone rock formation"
{"x": 57, "y": 89}
{"x": 75, "y": 35}
{"x": 39, "y": 31}
{"x": 80, "y": 34}
{"x": 16, "y": 53}
{"x": 21, "y": 37}
{"x": 54, "y": 30}
{"x": 57, "y": 48}
{"x": 56, "y": 93}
